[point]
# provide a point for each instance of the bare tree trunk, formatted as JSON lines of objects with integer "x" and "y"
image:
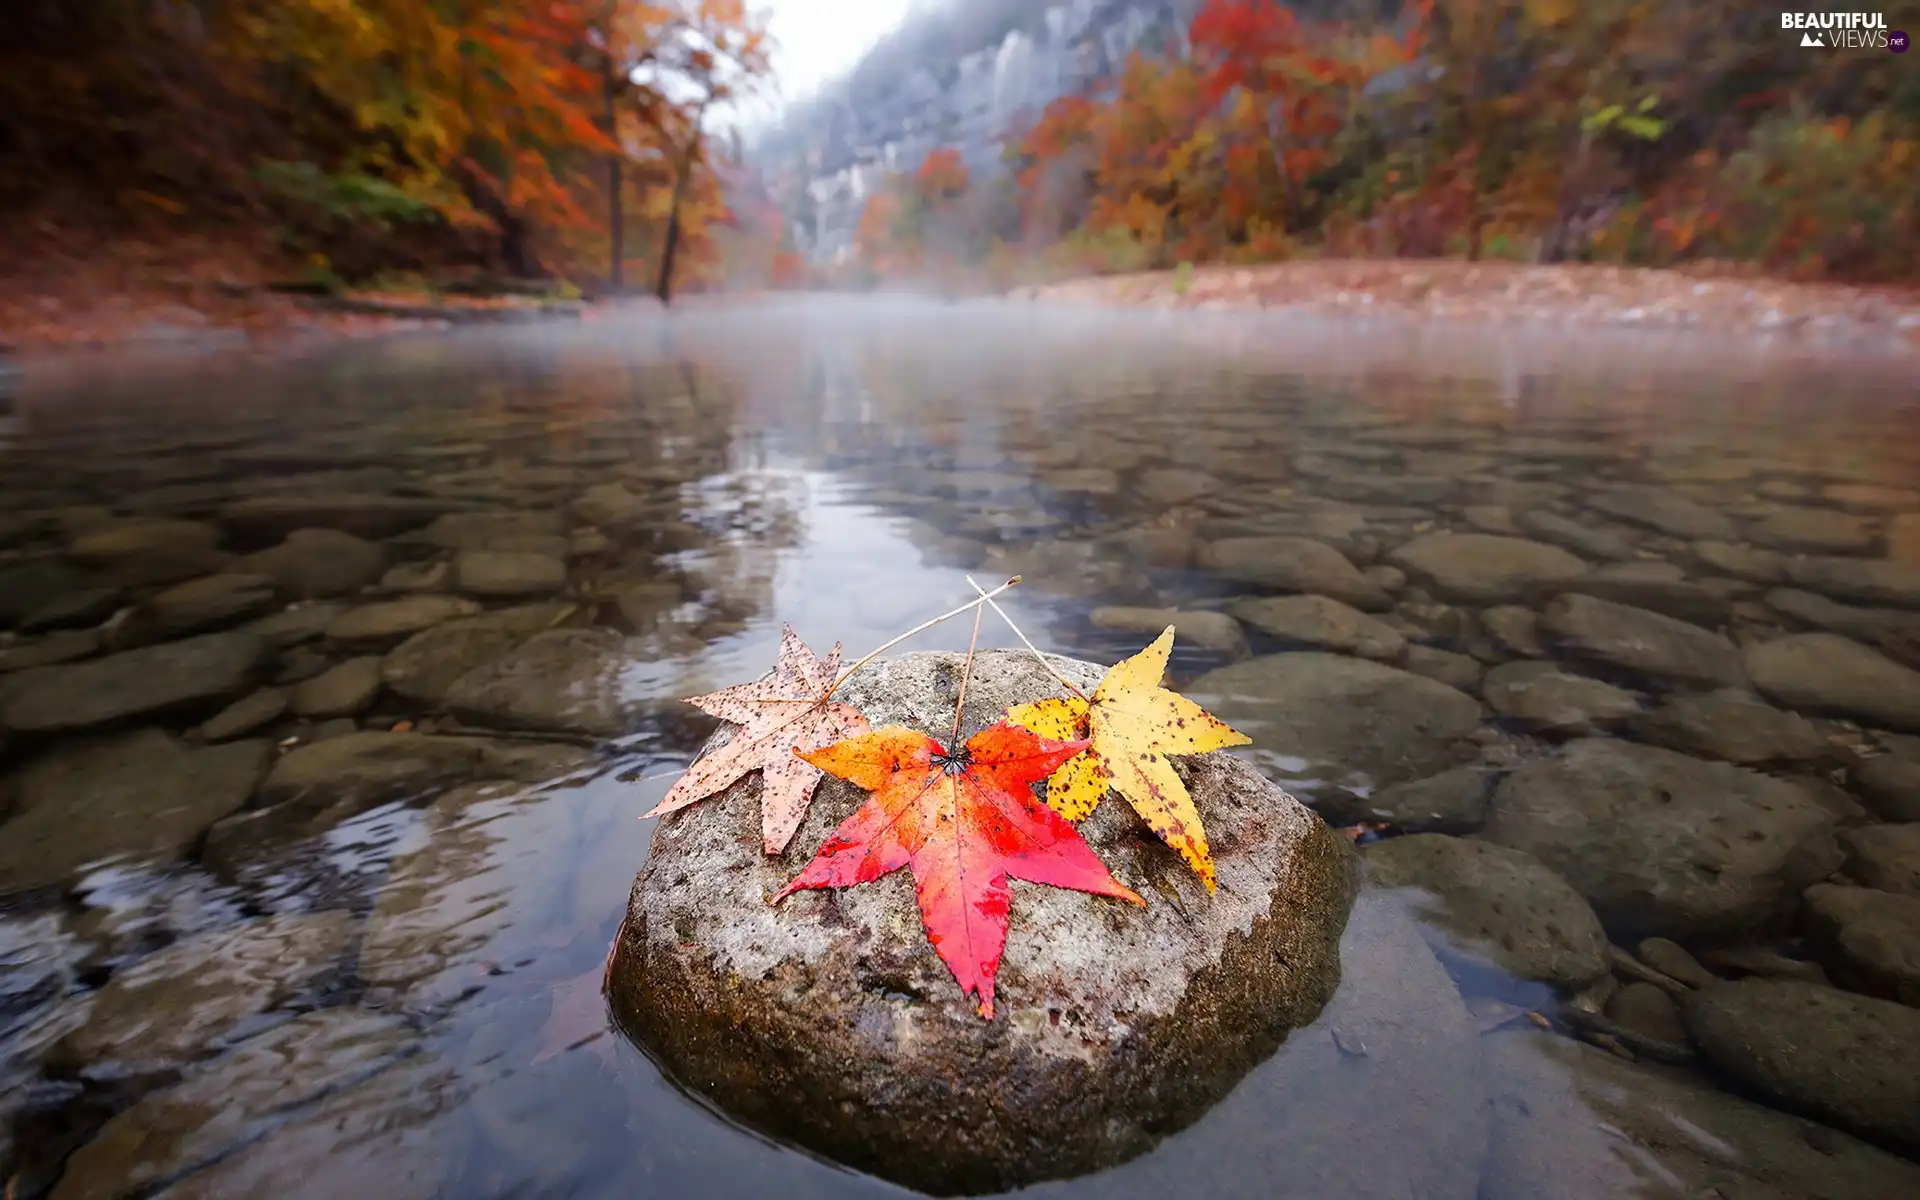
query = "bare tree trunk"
{"x": 616, "y": 229}
{"x": 670, "y": 249}
{"x": 616, "y": 215}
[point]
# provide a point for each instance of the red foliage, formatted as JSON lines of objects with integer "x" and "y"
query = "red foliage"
{"x": 963, "y": 822}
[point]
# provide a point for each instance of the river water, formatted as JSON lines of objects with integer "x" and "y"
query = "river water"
{"x": 333, "y": 686}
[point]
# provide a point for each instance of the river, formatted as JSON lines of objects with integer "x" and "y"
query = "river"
{"x": 309, "y": 865}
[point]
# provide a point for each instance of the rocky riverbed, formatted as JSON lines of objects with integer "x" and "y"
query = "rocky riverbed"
{"x": 327, "y": 698}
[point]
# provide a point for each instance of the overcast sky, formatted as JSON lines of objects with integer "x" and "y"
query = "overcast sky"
{"x": 818, "y": 39}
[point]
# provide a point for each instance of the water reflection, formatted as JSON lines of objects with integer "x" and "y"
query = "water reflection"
{"x": 1632, "y": 555}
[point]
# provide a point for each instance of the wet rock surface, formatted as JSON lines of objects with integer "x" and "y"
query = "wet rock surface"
{"x": 1731, "y": 725}
{"x": 153, "y": 680}
{"x": 142, "y": 796}
{"x": 1869, "y": 939}
{"x": 1663, "y": 843}
{"x": 1826, "y": 673}
{"x": 1345, "y": 721}
{"x": 563, "y": 680}
{"x": 181, "y": 1003}
{"x": 1483, "y": 569}
{"x": 1850, "y": 1060}
{"x": 1318, "y": 621}
{"x": 1294, "y": 564}
{"x": 1640, "y": 641}
{"x": 797, "y": 1018}
{"x": 1551, "y": 698}
{"x": 1495, "y": 905}
{"x": 1575, "y": 1122}
{"x": 172, "y": 1132}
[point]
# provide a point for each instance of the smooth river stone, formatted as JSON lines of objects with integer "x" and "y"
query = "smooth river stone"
{"x": 151, "y": 680}
{"x": 1662, "y": 843}
{"x": 1824, "y": 673}
{"x": 830, "y": 1016}
{"x": 1323, "y": 721}
{"x": 1478, "y": 568}
{"x": 1571, "y": 1122}
{"x": 181, "y": 1003}
{"x": 1850, "y": 1060}
{"x": 142, "y": 796}
{"x": 1491, "y": 904}
{"x": 1644, "y": 642}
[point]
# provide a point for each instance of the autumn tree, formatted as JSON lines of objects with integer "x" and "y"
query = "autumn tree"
{"x": 711, "y": 54}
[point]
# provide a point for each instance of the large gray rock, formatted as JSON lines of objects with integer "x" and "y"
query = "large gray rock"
{"x": 142, "y": 797}
{"x": 830, "y": 1015}
{"x": 1294, "y": 564}
{"x": 1574, "y": 1123}
{"x": 181, "y": 1003}
{"x": 313, "y": 563}
{"x": 1492, "y": 905}
{"x": 1478, "y": 568}
{"x": 1329, "y": 721}
{"x": 562, "y": 680}
{"x": 1851, "y": 1060}
{"x": 1869, "y": 939}
{"x": 170, "y": 1133}
{"x": 1828, "y": 674}
{"x": 152, "y": 680}
{"x": 1662, "y": 843}
{"x": 1647, "y": 643}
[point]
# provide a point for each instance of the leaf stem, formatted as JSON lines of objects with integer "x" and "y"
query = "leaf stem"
{"x": 986, "y": 598}
{"x": 966, "y": 673}
{"x": 983, "y": 598}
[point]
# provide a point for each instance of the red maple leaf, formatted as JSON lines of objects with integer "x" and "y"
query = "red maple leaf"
{"x": 964, "y": 821}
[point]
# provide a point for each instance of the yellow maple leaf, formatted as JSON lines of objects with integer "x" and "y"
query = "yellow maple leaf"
{"x": 1134, "y": 723}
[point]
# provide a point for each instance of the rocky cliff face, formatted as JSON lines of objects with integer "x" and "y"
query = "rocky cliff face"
{"x": 969, "y": 79}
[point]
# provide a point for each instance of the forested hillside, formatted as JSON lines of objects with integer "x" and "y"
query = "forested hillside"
{"x": 1653, "y": 132}
{"x": 355, "y": 139}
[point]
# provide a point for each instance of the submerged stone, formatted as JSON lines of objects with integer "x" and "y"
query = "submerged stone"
{"x": 830, "y": 1017}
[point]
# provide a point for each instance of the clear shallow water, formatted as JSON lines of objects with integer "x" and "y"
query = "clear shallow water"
{"x": 843, "y": 468}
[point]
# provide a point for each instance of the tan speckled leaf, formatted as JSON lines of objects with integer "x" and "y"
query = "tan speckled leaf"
{"x": 1134, "y": 723}
{"x": 787, "y": 711}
